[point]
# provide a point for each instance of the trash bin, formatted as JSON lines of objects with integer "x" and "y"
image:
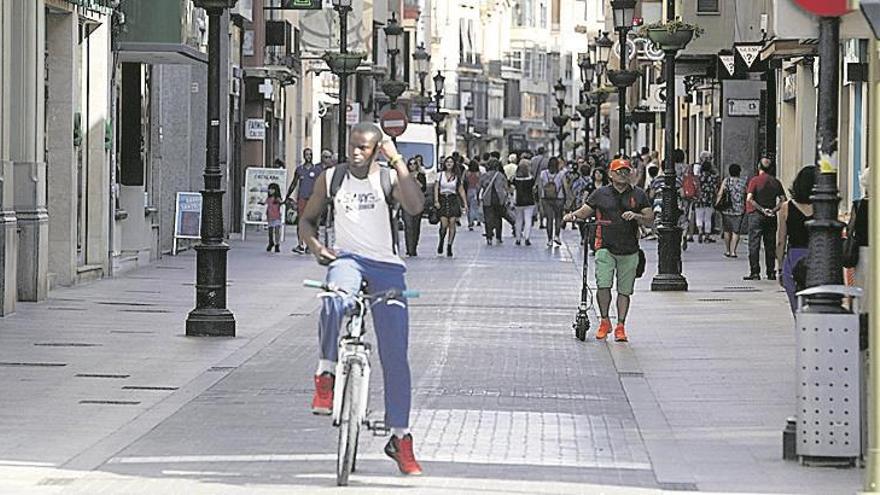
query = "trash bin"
{"x": 828, "y": 381}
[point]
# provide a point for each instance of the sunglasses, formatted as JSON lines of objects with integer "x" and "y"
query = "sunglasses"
{"x": 623, "y": 171}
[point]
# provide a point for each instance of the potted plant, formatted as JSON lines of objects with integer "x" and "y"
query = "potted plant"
{"x": 343, "y": 63}
{"x": 671, "y": 35}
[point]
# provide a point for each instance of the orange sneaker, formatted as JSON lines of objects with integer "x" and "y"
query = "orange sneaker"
{"x": 620, "y": 333}
{"x": 322, "y": 401}
{"x": 604, "y": 328}
{"x": 401, "y": 450}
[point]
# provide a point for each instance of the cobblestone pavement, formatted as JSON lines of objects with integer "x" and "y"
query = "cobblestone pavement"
{"x": 505, "y": 399}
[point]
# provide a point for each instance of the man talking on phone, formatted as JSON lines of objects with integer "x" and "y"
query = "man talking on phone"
{"x": 361, "y": 195}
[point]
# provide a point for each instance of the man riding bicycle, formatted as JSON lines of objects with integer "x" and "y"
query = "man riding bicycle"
{"x": 365, "y": 251}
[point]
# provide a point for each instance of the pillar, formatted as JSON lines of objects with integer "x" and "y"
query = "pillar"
{"x": 8, "y": 223}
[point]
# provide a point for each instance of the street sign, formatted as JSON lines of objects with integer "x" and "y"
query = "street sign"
{"x": 255, "y": 129}
{"x": 749, "y": 53}
{"x": 353, "y": 113}
{"x": 743, "y": 108}
{"x": 824, "y": 8}
{"x": 728, "y": 62}
{"x": 393, "y": 122}
{"x": 301, "y": 4}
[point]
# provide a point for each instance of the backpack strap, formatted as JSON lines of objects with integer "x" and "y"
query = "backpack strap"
{"x": 388, "y": 190}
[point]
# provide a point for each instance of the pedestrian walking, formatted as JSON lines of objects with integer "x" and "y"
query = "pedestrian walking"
{"x": 524, "y": 201}
{"x": 301, "y": 187}
{"x": 472, "y": 183}
{"x": 764, "y": 197}
{"x": 619, "y": 208}
{"x": 550, "y": 188}
{"x": 511, "y": 167}
{"x": 493, "y": 196}
{"x": 449, "y": 199}
{"x": 857, "y": 228}
{"x": 733, "y": 222}
{"x": 705, "y": 201}
{"x": 688, "y": 192}
{"x": 273, "y": 215}
{"x": 792, "y": 236}
{"x": 412, "y": 224}
{"x": 538, "y": 165}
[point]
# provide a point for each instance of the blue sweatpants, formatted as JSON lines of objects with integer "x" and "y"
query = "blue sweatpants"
{"x": 390, "y": 322}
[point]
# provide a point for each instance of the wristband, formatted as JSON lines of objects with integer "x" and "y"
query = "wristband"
{"x": 395, "y": 158}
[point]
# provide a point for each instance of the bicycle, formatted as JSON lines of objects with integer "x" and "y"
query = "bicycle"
{"x": 351, "y": 388}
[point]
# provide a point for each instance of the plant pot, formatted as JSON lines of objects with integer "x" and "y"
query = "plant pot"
{"x": 586, "y": 111}
{"x": 623, "y": 78}
{"x": 393, "y": 89}
{"x": 343, "y": 63}
{"x": 670, "y": 41}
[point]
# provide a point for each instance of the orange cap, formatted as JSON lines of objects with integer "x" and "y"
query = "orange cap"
{"x": 619, "y": 163}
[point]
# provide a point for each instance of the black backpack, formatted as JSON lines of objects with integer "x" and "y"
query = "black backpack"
{"x": 339, "y": 172}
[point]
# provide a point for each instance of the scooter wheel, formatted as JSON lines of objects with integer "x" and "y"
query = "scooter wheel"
{"x": 580, "y": 329}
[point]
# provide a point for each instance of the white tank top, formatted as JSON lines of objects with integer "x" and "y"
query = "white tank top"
{"x": 448, "y": 186}
{"x": 361, "y": 217}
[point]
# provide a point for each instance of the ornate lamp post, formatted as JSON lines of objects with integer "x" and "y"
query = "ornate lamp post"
{"x": 422, "y": 60}
{"x": 588, "y": 70}
{"x": 560, "y": 119}
{"x": 343, "y": 64}
{"x": 623, "y": 78}
{"x": 603, "y": 53}
{"x": 469, "y": 127}
{"x": 669, "y": 277}
{"x": 393, "y": 35}
{"x": 211, "y": 317}
{"x": 438, "y": 115}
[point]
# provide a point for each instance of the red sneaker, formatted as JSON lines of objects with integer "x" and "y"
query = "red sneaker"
{"x": 620, "y": 333}
{"x": 322, "y": 402}
{"x": 401, "y": 450}
{"x": 604, "y": 328}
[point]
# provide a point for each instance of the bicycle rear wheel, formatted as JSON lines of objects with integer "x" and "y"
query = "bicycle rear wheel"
{"x": 349, "y": 424}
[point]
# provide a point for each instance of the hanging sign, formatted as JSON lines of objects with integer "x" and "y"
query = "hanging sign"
{"x": 728, "y": 62}
{"x": 749, "y": 53}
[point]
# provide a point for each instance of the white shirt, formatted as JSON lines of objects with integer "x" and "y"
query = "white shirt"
{"x": 447, "y": 185}
{"x": 361, "y": 218}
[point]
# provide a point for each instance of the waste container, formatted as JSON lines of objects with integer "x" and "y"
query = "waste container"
{"x": 828, "y": 381}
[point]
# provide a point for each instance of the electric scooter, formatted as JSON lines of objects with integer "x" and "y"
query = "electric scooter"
{"x": 581, "y": 323}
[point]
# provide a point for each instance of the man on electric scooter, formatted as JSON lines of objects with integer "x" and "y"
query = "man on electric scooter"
{"x": 365, "y": 250}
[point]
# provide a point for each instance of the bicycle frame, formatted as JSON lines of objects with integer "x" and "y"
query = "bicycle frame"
{"x": 352, "y": 348}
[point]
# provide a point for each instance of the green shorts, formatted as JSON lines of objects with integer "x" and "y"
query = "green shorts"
{"x": 624, "y": 264}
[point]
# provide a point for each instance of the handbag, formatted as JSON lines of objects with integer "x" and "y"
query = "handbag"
{"x": 850, "y": 254}
{"x": 640, "y": 268}
{"x": 723, "y": 202}
{"x": 433, "y": 215}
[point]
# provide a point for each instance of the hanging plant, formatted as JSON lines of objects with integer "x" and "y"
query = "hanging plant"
{"x": 671, "y": 35}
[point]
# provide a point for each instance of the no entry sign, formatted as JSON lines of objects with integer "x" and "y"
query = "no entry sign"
{"x": 824, "y": 8}
{"x": 393, "y": 122}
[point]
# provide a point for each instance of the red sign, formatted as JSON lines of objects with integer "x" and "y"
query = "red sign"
{"x": 824, "y": 8}
{"x": 393, "y": 122}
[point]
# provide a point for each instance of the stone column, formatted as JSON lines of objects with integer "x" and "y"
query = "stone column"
{"x": 27, "y": 148}
{"x": 8, "y": 236}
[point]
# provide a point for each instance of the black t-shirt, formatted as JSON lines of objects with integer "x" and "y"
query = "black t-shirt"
{"x": 612, "y": 231}
{"x": 525, "y": 191}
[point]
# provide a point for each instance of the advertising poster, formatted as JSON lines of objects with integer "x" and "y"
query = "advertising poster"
{"x": 188, "y": 217}
{"x": 256, "y": 188}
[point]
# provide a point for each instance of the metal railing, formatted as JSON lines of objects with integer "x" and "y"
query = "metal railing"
{"x": 100, "y": 6}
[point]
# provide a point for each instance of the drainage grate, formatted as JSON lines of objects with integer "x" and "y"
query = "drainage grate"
{"x": 151, "y": 311}
{"x": 66, "y": 344}
{"x": 136, "y": 387}
{"x": 65, "y": 309}
{"x": 678, "y": 486}
{"x": 169, "y": 268}
{"x": 55, "y": 481}
{"x": 716, "y": 299}
{"x": 142, "y": 291}
{"x": 630, "y": 374}
{"x": 222, "y": 368}
{"x": 34, "y": 365}
{"x": 737, "y": 290}
{"x": 299, "y": 314}
{"x": 111, "y": 402}
{"x": 132, "y": 331}
{"x": 122, "y": 303}
{"x": 99, "y": 375}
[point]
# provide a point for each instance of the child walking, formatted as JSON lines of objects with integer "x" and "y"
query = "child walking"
{"x": 273, "y": 214}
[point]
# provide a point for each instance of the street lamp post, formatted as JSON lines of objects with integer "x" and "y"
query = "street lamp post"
{"x": 343, "y": 65}
{"x": 624, "y": 11}
{"x": 669, "y": 276}
{"x": 438, "y": 115}
{"x": 392, "y": 87}
{"x": 422, "y": 60}
{"x": 211, "y": 317}
{"x": 469, "y": 127}
{"x": 561, "y": 119}
{"x": 588, "y": 70}
{"x": 603, "y": 53}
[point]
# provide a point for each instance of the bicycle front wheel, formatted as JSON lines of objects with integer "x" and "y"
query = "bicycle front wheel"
{"x": 349, "y": 423}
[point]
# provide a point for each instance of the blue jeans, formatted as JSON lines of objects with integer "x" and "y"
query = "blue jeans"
{"x": 390, "y": 322}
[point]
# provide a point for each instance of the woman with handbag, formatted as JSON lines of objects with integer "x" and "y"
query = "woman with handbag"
{"x": 493, "y": 195}
{"x": 731, "y": 202}
{"x": 412, "y": 224}
{"x": 450, "y": 201}
{"x": 792, "y": 237}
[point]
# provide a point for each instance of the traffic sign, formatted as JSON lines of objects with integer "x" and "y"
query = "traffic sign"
{"x": 824, "y": 8}
{"x": 393, "y": 122}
